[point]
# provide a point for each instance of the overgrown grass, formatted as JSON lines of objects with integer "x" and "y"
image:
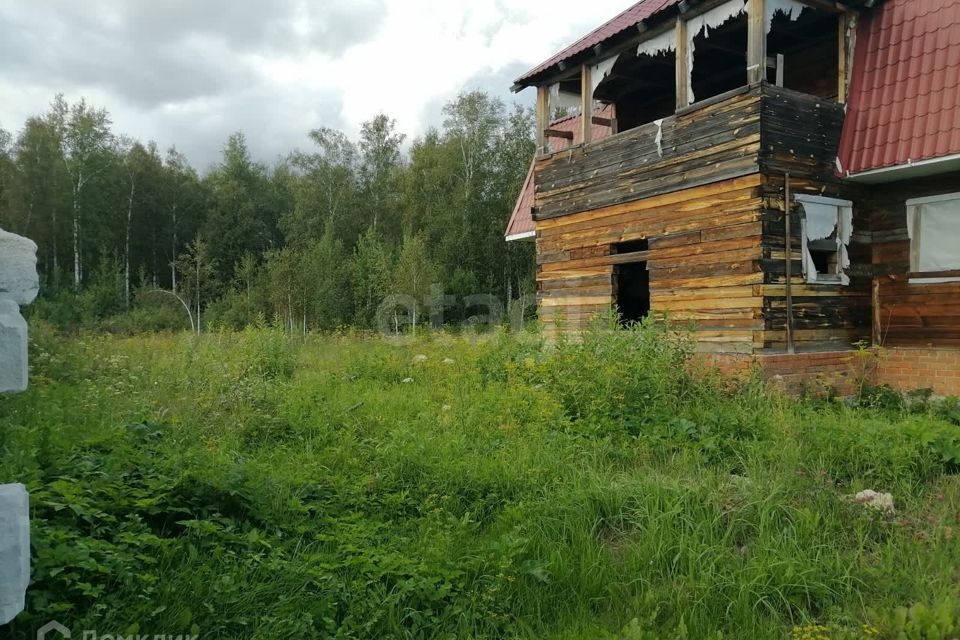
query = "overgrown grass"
{"x": 251, "y": 486}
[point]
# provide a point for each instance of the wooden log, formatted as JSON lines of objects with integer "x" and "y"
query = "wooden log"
{"x": 556, "y": 133}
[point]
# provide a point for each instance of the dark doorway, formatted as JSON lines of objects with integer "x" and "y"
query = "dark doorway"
{"x": 632, "y": 284}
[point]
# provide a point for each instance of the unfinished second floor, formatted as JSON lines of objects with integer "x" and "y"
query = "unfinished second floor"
{"x": 673, "y": 94}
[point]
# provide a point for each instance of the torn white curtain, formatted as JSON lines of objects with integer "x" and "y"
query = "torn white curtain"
{"x": 702, "y": 24}
{"x": 564, "y": 100}
{"x": 823, "y": 215}
{"x": 599, "y": 72}
{"x": 659, "y": 139}
{"x": 939, "y": 237}
{"x": 821, "y": 219}
{"x": 663, "y": 43}
{"x": 789, "y": 8}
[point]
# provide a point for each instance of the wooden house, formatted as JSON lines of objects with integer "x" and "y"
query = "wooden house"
{"x": 782, "y": 176}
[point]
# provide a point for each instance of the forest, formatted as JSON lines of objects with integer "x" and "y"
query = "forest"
{"x": 315, "y": 241}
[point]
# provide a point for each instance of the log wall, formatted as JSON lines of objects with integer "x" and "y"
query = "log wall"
{"x": 909, "y": 314}
{"x": 715, "y": 141}
{"x": 709, "y": 199}
{"x": 801, "y": 135}
{"x": 703, "y": 258}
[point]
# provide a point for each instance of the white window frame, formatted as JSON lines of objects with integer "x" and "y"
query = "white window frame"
{"x": 914, "y": 224}
{"x": 843, "y": 259}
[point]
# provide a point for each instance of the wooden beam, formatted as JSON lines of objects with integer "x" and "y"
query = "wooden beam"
{"x": 828, "y": 5}
{"x": 628, "y": 258}
{"x": 875, "y": 305}
{"x": 919, "y": 275}
{"x": 586, "y": 103}
{"x": 543, "y": 117}
{"x": 603, "y": 122}
{"x": 682, "y": 68}
{"x": 843, "y": 69}
{"x": 556, "y": 133}
{"x": 756, "y": 41}
{"x": 788, "y": 253}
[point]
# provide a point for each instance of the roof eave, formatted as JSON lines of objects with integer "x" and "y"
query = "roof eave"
{"x": 919, "y": 169}
{"x": 526, "y": 235}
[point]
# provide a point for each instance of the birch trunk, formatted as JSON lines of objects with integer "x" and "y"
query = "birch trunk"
{"x": 126, "y": 244}
{"x": 77, "y": 275}
{"x": 173, "y": 252}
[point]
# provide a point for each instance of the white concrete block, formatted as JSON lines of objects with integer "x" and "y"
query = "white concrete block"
{"x": 13, "y": 348}
{"x": 14, "y": 550}
{"x": 18, "y": 268}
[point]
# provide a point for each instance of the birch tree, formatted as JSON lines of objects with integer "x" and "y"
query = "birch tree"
{"x": 86, "y": 141}
{"x": 197, "y": 274}
{"x": 181, "y": 201}
{"x": 380, "y": 165}
{"x": 414, "y": 273}
{"x": 324, "y": 189}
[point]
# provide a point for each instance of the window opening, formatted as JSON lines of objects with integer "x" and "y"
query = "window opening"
{"x": 934, "y": 227}
{"x": 827, "y": 228}
{"x": 632, "y": 283}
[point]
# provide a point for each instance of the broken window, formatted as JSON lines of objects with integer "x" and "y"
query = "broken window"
{"x": 802, "y": 48}
{"x": 934, "y": 227}
{"x": 827, "y": 227}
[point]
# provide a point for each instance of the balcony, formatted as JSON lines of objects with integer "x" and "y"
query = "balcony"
{"x": 753, "y": 129}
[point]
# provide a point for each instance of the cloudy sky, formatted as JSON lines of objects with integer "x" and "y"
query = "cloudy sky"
{"x": 189, "y": 72}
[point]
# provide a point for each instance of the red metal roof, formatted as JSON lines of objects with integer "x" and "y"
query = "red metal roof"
{"x": 521, "y": 221}
{"x": 626, "y": 20}
{"x": 905, "y": 93}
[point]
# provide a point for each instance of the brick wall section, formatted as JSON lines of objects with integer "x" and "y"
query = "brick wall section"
{"x": 830, "y": 372}
{"x": 842, "y": 371}
{"x": 908, "y": 369}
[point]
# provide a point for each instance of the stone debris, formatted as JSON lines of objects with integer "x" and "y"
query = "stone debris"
{"x": 419, "y": 359}
{"x": 879, "y": 501}
{"x": 407, "y": 381}
{"x": 448, "y": 361}
{"x": 14, "y": 550}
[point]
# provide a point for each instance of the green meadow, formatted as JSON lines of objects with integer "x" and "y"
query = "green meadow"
{"x": 253, "y": 485}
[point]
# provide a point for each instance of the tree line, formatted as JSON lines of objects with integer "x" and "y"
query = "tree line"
{"x": 315, "y": 241}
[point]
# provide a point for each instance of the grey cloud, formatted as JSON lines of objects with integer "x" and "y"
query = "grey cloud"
{"x": 174, "y": 50}
{"x": 273, "y": 127}
{"x": 494, "y": 83}
{"x": 278, "y": 26}
{"x": 178, "y": 70}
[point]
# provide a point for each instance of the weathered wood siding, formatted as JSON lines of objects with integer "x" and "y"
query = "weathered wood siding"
{"x": 800, "y": 134}
{"x": 704, "y": 255}
{"x": 714, "y": 142}
{"x": 910, "y": 314}
{"x": 710, "y": 203}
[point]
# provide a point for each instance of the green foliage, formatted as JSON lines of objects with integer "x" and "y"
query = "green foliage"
{"x": 317, "y": 241}
{"x": 257, "y": 485}
{"x": 922, "y": 622}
